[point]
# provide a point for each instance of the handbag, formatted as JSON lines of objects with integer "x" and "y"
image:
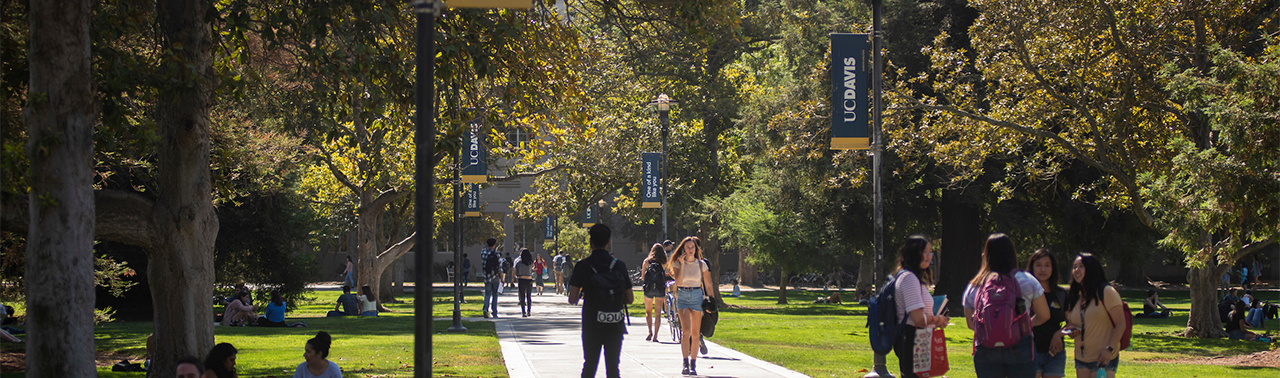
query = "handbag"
{"x": 938, "y": 355}
{"x": 710, "y": 314}
{"x": 920, "y": 360}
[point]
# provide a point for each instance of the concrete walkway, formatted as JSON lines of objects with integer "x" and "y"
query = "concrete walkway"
{"x": 549, "y": 345}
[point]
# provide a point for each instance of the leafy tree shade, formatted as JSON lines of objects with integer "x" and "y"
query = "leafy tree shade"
{"x": 1081, "y": 82}
{"x": 60, "y": 264}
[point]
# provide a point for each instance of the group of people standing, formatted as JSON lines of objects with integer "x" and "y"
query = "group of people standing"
{"x": 1090, "y": 308}
{"x": 221, "y": 361}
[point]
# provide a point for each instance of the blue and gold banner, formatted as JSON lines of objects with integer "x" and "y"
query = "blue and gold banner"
{"x": 651, "y": 191}
{"x": 589, "y": 216}
{"x": 850, "y": 92}
{"x": 549, "y": 229}
{"x": 473, "y": 158}
{"x": 472, "y": 200}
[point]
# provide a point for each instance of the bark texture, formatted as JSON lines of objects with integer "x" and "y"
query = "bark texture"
{"x": 60, "y": 117}
{"x": 1204, "y": 321}
{"x": 748, "y": 275}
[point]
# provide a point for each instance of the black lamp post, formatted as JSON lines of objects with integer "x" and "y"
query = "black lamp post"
{"x": 457, "y": 326}
{"x": 663, "y": 105}
{"x": 424, "y": 189}
{"x": 877, "y": 149}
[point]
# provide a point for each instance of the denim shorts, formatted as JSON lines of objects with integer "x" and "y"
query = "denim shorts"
{"x": 1093, "y": 366}
{"x": 689, "y": 298}
{"x": 1052, "y": 366}
{"x": 1014, "y": 361}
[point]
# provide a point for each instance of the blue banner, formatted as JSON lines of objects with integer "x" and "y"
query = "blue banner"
{"x": 589, "y": 216}
{"x": 850, "y": 91}
{"x": 472, "y": 200}
{"x": 549, "y": 232}
{"x": 473, "y": 158}
{"x": 651, "y": 190}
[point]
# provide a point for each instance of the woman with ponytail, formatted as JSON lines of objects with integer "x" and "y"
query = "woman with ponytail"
{"x": 316, "y": 352}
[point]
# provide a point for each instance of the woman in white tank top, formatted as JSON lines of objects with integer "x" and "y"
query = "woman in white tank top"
{"x": 691, "y": 274}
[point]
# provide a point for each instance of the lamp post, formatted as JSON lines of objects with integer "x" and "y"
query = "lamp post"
{"x": 663, "y": 105}
{"x": 424, "y": 190}
{"x": 457, "y": 326}
{"x": 877, "y": 149}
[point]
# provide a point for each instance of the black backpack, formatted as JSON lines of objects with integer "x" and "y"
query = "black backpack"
{"x": 491, "y": 264}
{"x": 608, "y": 292}
{"x": 655, "y": 280}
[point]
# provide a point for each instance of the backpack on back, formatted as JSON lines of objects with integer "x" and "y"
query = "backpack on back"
{"x": 882, "y": 318}
{"x": 1000, "y": 323}
{"x": 607, "y": 293}
{"x": 491, "y": 264}
{"x": 655, "y": 280}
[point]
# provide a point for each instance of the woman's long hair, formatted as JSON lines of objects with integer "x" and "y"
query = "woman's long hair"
{"x": 998, "y": 256}
{"x": 678, "y": 253}
{"x": 1095, "y": 281}
{"x": 657, "y": 254}
{"x": 368, "y": 293}
{"x": 217, "y": 360}
{"x": 1054, "y": 279}
{"x": 276, "y": 298}
{"x": 911, "y": 255}
{"x": 526, "y": 258}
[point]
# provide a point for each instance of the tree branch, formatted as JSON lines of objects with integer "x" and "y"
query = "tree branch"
{"x": 123, "y": 216}
{"x": 390, "y": 255}
{"x": 337, "y": 172}
{"x": 521, "y": 175}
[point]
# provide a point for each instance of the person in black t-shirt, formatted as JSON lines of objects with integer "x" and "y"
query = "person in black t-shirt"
{"x": 596, "y": 335}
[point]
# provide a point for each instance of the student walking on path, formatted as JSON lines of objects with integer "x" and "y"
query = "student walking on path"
{"x": 996, "y": 305}
{"x": 1094, "y": 307}
{"x": 602, "y": 314}
{"x": 655, "y": 290}
{"x": 914, "y": 276}
{"x": 523, "y": 269}
{"x": 691, "y": 274}
{"x": 491, "y": 268}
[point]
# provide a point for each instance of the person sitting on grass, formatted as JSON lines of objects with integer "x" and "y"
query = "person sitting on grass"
{"x": 238, "y": 312}
{"x": 316, "y": 353}
{"x": 1256, "y": 315}
{"x": 221, "y": 362}
{"x": 1152, "y": 308}
{"x": 348, "y": 303}
{"x": 1237, "y": 327}
{"x": 274, "y": 314}
{"x": 189, "y": 367}
{"x": 368, "y": 302}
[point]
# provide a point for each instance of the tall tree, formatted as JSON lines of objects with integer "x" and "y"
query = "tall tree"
{"x": 1081, "y": 81}
{"x": 60, "y": 117}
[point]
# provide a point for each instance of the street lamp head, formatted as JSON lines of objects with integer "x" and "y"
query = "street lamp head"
{"x": 663, "y": 103}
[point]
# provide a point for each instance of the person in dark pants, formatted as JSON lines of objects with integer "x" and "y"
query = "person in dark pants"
{"x": 596, "y": 335}
{"x": 466, "y": 269}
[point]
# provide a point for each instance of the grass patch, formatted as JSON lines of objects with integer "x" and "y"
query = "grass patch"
{"x": 824, "y": 340}
{"x": 362, "y": 347}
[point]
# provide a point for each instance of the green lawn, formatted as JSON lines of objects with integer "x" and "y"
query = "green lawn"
{"x": 819, "y": 340}
{"x": 824, "y": 340}
{"x": 362, "y": 347}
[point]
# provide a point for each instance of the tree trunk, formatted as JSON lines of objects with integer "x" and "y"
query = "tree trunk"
{"x": 866, "y": 274}
{"x": 960, "y": 247}
{"x": 712, "y": 253}
{"x": 782, "y": 286}
{"x": 60, "y": 118}
{"x": 748, "y": 274}
{"x": 183, "y": 218}
{"x": 1204, "y": 321}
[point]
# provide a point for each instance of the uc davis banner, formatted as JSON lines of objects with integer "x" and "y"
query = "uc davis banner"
{"x": 549, "y": 229}
{"x": 651, "y": 195}
{"x": 850, "y": 92}
{"x": 473, "y": 201}
{"x": 589, "y": 216}
{"x": 474, "y": 155}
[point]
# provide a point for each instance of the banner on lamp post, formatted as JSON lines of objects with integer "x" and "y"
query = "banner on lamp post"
{"x": 850, "y": 92}
{"x": 472, "y": 200}
{"x": 651, "y": 190}
{"x": 589, "y": 216}
{"x": 473, "y": 159}
{"x": 549, "y": 229}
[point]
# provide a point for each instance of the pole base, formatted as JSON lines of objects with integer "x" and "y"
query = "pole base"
{"x": 457, "y": 328}
{"x": 879, "y": 372}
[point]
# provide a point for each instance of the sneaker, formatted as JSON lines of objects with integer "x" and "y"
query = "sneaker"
{"x": 486, "y": 315}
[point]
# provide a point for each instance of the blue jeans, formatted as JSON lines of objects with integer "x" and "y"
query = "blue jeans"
{"x": 490, "y": 305}
{"x": 1052, "y": 366}
{"x": 1255, "y": 317}
{"x": 349, "y": 280}
{"x": 1093, "y": 366}
{"x": 1016, "y": 361}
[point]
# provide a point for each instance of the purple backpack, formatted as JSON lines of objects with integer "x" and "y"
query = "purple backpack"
{"x": 1000, "y": 324}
